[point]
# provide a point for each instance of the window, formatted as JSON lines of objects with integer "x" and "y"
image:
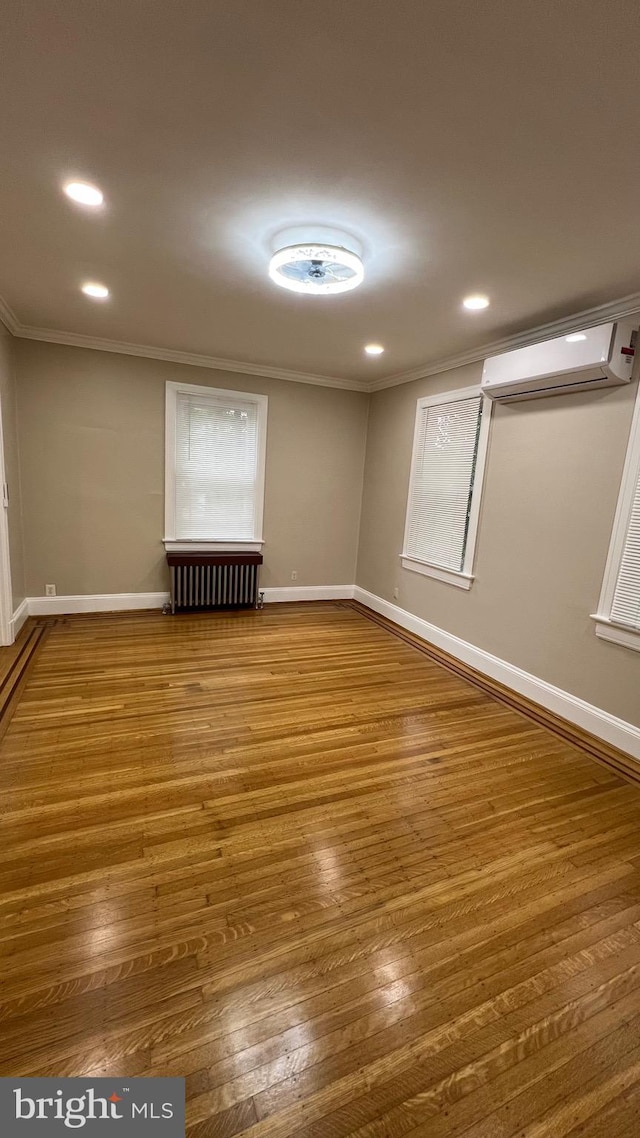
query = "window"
{"x": 618, "y": 616}
{"x": 215, "y": 459}
{"x": 447, "y": 466}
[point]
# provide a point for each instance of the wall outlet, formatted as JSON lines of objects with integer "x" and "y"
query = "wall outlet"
{"x": 294, "y": 574}
{"x": 49, "y": 590}
{"x": 396, "y": 593}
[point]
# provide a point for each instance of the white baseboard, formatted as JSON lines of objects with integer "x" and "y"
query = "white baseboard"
{"x": 309, "y": 593}
{"x": 119, "y": 602}
{"x": 96, "y": 602}
{"x": 19, "y": 617}
{"x": 600, "y": 723}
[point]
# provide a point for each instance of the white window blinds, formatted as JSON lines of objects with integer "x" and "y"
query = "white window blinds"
{"x": 217, "y": 479}
{"x": 442, "y": 477}
{"x": 626, "y": 597}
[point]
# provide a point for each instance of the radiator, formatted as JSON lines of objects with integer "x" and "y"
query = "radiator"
{"x": 201, "y": 581}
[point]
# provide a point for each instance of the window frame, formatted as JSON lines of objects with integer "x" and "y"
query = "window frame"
{"x": 606, "y": 627}
{"x": 462, "y": 578}
{"x": 175, "y": 544}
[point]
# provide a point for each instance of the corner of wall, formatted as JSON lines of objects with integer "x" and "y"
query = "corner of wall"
{"x": 9, "y": 418}
{"x": 362, "y": 485}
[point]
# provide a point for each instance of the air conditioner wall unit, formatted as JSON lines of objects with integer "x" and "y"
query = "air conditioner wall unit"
{"x": 592, "y": 358}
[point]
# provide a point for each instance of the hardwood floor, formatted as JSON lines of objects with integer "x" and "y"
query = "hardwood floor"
{"x": 339, "y": 889}
{"x": 15, "y": 661}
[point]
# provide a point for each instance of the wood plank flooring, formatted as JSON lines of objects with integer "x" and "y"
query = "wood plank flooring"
{"x": 339, "y": 889}
{"x": 15, "y": 662}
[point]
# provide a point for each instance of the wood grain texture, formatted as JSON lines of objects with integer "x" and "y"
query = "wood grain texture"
{"x": 604, "y": 752}
{"x": 340, "y": 889}
{"x": 15, "y": 662}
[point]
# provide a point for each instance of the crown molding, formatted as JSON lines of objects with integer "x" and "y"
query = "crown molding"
{"x": 602, "y": 314}
{"x": 9, "y": 318}
{"x": 76, "y": 340}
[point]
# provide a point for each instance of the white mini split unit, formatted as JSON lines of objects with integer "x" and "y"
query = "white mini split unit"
{"x": 595, "y": 357}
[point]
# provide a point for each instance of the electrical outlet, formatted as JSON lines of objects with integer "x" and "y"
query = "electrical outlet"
{"x": 49, "y": 590}
{"x": 294, "y": 574}
{"x": 396, "y": 593}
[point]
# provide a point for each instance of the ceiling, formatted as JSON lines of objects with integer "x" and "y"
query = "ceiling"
{"x": 467, "y": 146}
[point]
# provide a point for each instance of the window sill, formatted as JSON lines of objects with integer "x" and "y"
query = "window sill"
{"x": 449, "y": 576}
{"x": 617, "y": 633}
{"x": 173, "y": 545}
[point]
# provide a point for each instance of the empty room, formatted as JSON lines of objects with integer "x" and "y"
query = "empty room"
{"x": 319, "y": 569}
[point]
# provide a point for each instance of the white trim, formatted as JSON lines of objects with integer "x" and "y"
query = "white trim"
{"x": 616, "y": 633}
{"x": 600, "y": 314}
{"x": 309, "y": 593}
{"x": 6, "y": 595}
{"x": 19, "y": 617}
{"x": 6, "y": 599}
{"x": 192, "y": 359}
{"x": 478, "y": 487}
{"x": 607, "y": 629}
{"x": 9, "y": 318}
{"x": 262, "y": 403}
{"x": 600, "y": 723}
{"x": 170, "y": 405}
{"x": 576, "y": 322}
{"x": 625, "y": 736}
{"x": 450, "y": 576}
{"x": 470, "y": 392}
{"x": 463, "y": 578}
{"x": 124, "y": 602}
{"x": 95, "y": 602}
{"x": 196, "y": 546}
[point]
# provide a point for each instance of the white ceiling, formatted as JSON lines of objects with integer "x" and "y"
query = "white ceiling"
{"x": 469, "y": 146}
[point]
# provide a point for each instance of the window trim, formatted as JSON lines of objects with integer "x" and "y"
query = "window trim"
{"x": 462, "y": 578}
{"x": 175, "y": 544}
{"x": 606, "y": 627}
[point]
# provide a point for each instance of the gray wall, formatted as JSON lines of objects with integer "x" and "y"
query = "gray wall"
{"x": 91, "y": 430}
{"x": 92, "y": 443}
{"x": 552, "y": 481}
{"x": 11, "y": 463}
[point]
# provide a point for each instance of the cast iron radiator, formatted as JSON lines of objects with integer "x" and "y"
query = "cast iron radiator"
{"x": 201, "y": 581}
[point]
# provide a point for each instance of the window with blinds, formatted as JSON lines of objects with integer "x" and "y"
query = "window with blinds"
{"x": 618, "y": 615}
{"x": 626, "y": 596}
{"x": 217, "y": 442}
{"x": 448, "y": 456}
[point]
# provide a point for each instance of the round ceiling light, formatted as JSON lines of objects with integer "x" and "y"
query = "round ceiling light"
{"x": 476, "y": 303}
{"x": 374, "y": 349}
{"x": 95, "y": 290}
{"x": 83, "y": 193}
{"x": 317, "y": 270}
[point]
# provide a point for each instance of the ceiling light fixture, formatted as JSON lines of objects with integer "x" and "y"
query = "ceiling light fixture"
{"x": 574, "y": 337}
{"x": 374, "y": 349}
{"x": 97, "y": 291}
{"x": 317, "y": 270}
{"x": 84, "y": 193}
{"x": 476, "y": 303}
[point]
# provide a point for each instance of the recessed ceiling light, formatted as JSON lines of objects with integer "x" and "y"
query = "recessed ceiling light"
{"x": 475, "y": 303}
{"x": 374, "y": 349}
{"x": 574, "y": 337}
{"x": 317, "y": 270}
{"x": 97, "y": 291}
{"x": 84, "y": 193}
